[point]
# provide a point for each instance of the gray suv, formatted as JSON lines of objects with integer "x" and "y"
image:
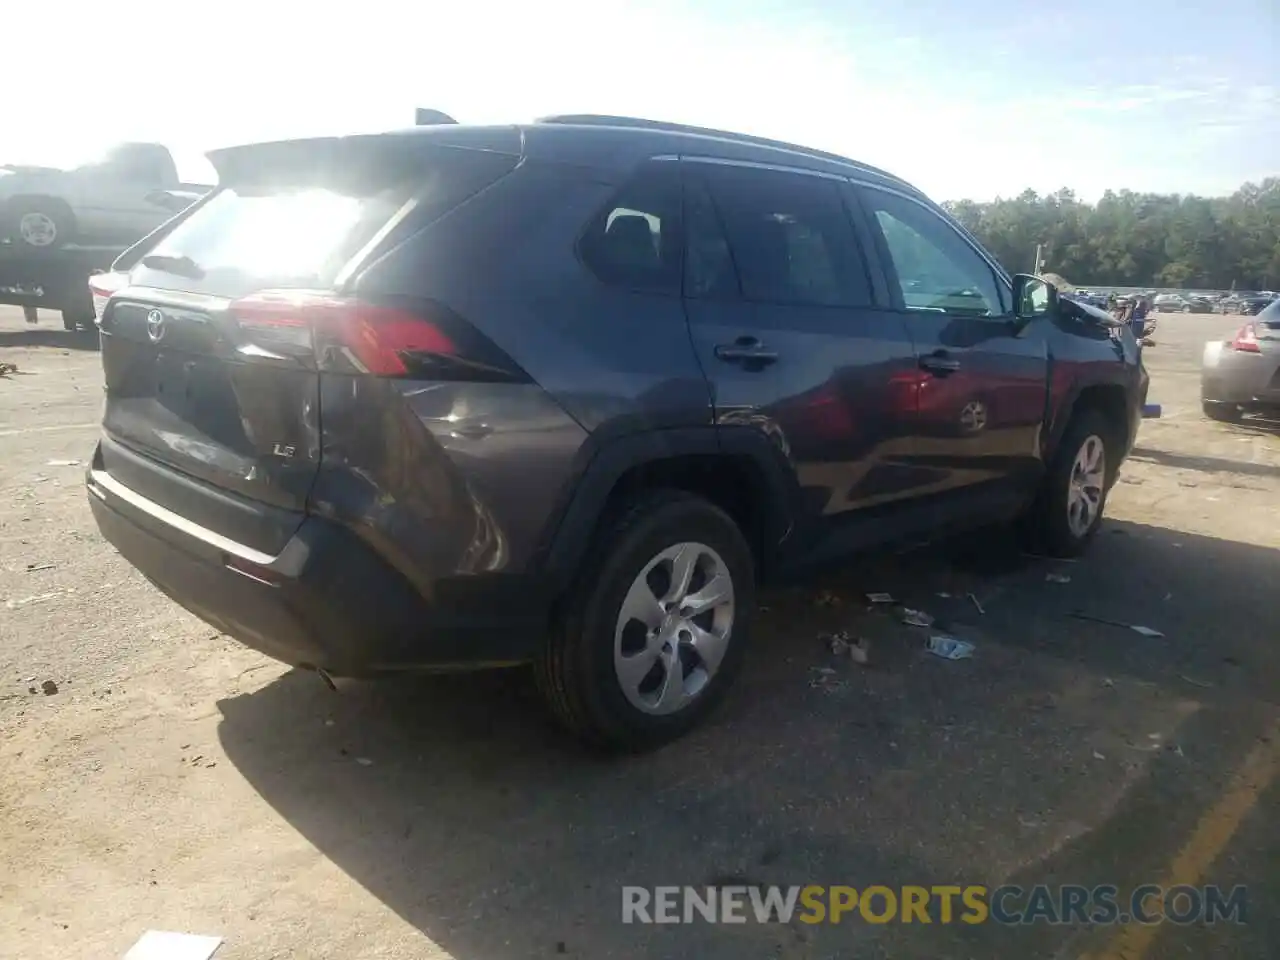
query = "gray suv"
{"x": 566, "y": 393}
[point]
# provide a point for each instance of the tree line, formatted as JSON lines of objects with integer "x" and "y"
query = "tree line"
{"x": 1132, "y": 239}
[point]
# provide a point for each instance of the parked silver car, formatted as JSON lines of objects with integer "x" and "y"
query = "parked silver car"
{"x": 1243, "y": 374}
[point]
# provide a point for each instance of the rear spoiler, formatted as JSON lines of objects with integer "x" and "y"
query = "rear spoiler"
{"x": 353, "y": 160}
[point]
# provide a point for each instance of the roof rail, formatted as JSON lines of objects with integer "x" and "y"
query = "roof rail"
{"x": 605, "y": 120}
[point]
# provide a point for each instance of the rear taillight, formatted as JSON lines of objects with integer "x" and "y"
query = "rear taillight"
{"x": 102, "y": 286}
{"x": 1247, "y": 340}
{"x": 380, "y": 340}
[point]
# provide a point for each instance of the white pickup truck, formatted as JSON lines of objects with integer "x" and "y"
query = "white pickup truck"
{"x": 114, "y": 201}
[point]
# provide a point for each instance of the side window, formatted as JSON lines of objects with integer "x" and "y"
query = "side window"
{"x": 708, "y": 265}
{"x": 936, "y": 269}
{"x": 790, "y": 237}
{"x": 634, "y": 242}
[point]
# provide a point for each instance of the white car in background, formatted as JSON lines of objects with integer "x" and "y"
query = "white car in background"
{"x": 1242, "y": 375}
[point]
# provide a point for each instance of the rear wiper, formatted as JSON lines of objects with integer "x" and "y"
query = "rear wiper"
{"x": 183, "y": 266}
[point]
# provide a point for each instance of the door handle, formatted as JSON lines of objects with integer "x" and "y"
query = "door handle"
{"x": 746, "y": 350}
{"x": 940, "y": 363}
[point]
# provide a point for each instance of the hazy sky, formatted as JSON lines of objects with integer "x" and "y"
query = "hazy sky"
{"x": 966, "y": 98}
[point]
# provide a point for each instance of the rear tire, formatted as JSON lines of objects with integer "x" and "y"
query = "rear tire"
{"x": 1221, "y": 411}
{"x": 594, "y": 647}
{"x": 79, "y": 319}
{"x": 1054, "y": 521}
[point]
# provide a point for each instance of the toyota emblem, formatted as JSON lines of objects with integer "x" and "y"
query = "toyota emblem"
{"x": 155, "y": 325}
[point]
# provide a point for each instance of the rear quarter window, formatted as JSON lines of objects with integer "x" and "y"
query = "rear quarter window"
{"x": 634, "y": 242}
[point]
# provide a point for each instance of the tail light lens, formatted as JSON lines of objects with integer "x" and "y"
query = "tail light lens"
{"x": 102, "y": 286}
{"x": 1247, "y": 340}
{"x": 379, "y": 340}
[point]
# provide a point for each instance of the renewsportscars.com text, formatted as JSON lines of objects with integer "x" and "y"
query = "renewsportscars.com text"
{"x": 940, "y": 903}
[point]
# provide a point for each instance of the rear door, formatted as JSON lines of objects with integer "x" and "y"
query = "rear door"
{"x": 780, "y": 304}
{"x": 984, "y": 381}
{"x": 212, "y": 383}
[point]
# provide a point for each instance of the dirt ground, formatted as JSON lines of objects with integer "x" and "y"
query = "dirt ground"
{"x": 177, "y": 781}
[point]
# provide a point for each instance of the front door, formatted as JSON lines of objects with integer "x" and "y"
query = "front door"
{"x": 779, "y": 301}
{"x": 983, "y": 380}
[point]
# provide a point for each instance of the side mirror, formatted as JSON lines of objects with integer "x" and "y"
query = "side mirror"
{"x": 1032, "y": 298}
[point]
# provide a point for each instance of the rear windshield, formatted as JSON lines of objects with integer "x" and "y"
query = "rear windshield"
{"x": 299, "y": 228}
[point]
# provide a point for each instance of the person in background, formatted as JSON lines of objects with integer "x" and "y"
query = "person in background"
{"x": 1138, "y": 317}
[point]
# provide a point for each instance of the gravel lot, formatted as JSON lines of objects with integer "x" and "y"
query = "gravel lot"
{"x": 177, "y": 781}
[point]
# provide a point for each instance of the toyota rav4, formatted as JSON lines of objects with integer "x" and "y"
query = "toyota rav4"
{"x": 566, "y": 393}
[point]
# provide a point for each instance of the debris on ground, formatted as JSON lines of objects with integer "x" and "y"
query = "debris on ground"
{"x": 978, "y": 606}
{"x": 949, "y": 648}
{"x": 944, "y": 595}
{"x": 827, "y": 599}
{"x": 1195, "y": 683}
{"x": 7, "y": 368}
{"x": 63, "y": 463}
{"x": 1098, "y": 756}
{"x": 364, "y": 761}
{"x": 916, "y": 618}
{"x": 33, "y": 567}
{"x": 27, "y": 601}
{"x": 1136, "y": 628}
{"x": 857, "y": 649}
{"x": 879, "y": 598}
{"x": 49, "y": 688}
{"x": 837, "y": 643}
{"x": 164, "y": 945}
{"x": 1057, "y": 578}
{"x": 825, "y": 679}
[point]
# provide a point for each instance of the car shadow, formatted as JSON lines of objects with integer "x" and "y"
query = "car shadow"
{"x": 45, "y": 337}
{"x": 1205, "y": 464}
{"x": 454, "y": 802}
{"x": 1264, "y": 423}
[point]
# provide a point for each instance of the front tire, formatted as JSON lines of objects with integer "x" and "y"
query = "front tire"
{"x": 656, "y": 626}
{"x": 1068, "y": 510}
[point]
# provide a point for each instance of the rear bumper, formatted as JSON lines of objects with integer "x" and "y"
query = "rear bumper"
{"x": 1231, "y": 376}
{"x": 327, "y": 599}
